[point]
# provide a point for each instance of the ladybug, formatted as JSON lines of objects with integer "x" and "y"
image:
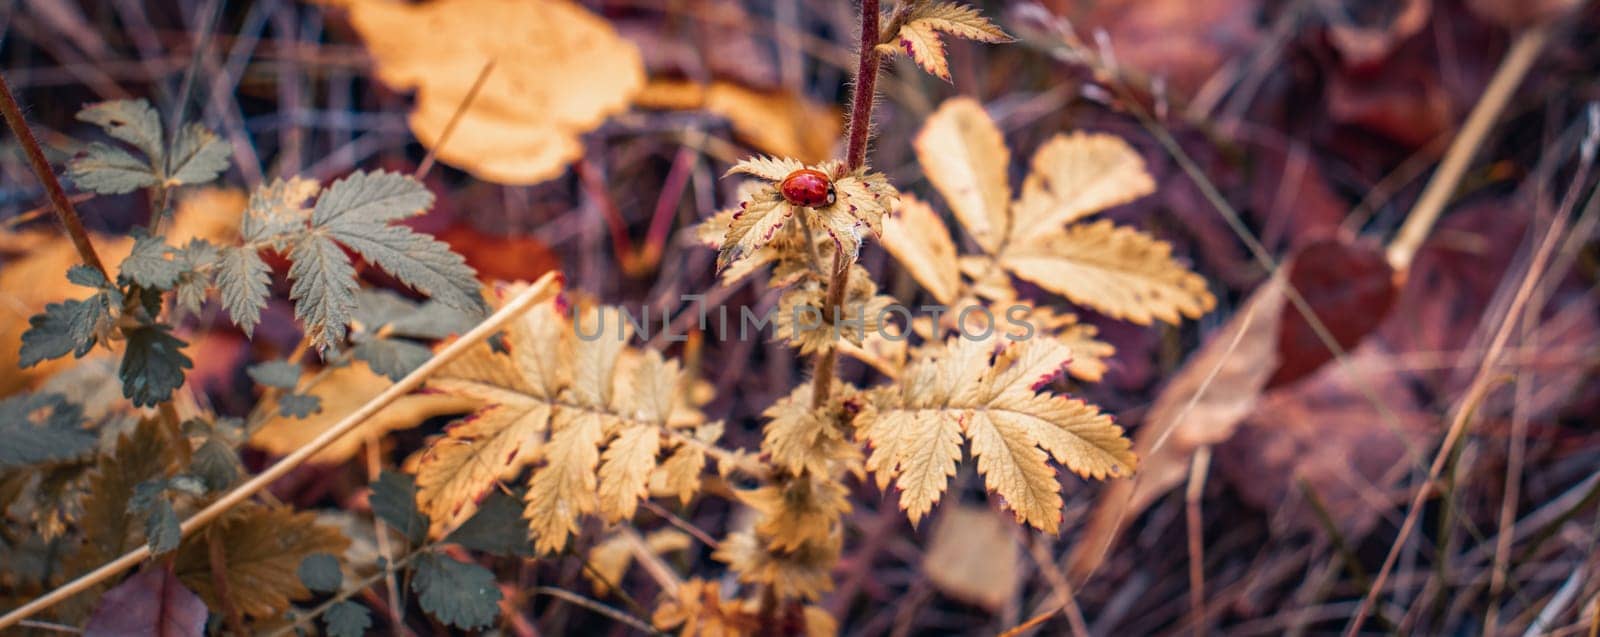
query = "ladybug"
{"x": 807, "y": 187}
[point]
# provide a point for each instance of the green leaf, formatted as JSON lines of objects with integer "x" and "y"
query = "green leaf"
{"x": 456, "y": 593}
{"x": 39, "y": 428}
{"x": 147, "y": 266}
{"x": 347, "y": 619}
{"x": 392, "y": 357}
{"x": 87, "y": 277}
{"x": 132, "y": 121}
{"x": 299, "y": 405}
{"x": 194, "y": 259}
{"x": 242, "y": 278}
{"x": 497, "y": 528}
{"x": 394, "y": 500}
{"x": 320, "y": 572}
{"x": 280, "y": 374}
{"x": 418, "y": 260}
{"x": 277, "y": 209}
{"x": 109, "y": 170}
{"x": 215, "y": 464}
{"x": 152, "y": 366}
{"x": 198, "y": 156}
{"x": 69, "y": 327}
{"x": 161, "y": 527}
{"x": 371, "y": 199}
{"x": 324, "y": 289}
{"x": 378, "y": 309}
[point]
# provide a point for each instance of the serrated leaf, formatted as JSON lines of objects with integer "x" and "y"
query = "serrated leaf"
{"x": 216, "y": 464}
{"x": 755, "y": 225}
{"x": 564, "y": 488}
{"x": 109, "y": 531}
{"x": 456, "y": 593}
{"x": 69, "y": 327}
{"x": 198, "y": 156}
{"x": 915, "y": 427}
{"x": 496, "y": 529}
{"x": 374, "y": 198}
{"x": 152, "y": 603}
{"x": 965, "y": 157}
{"x": 418, "y": 260}
{"x": 109, "y": 170}
{"x": 280, "y": 374}
{"x": 394, "y": 500}
{"x": 292, "y": 405}
{"x": 768, "y": 168}
{"x": 347, "y": 619}
{"x": 148, "y": 265}
{"x": 39, "y": 428}
{"x": 320, "y": 572}
{"x": 88, "y": 277}
{"x": 324, "y": 289}
{"x": 918, "y": 239}
{"x": 242, "y": 279}
{"x": 918, "y": 33}
{"x": 1076, "y": 175}
{"x": 392, "y": 357}
{"x": 161, "y": 530}
{"x": 1118, "y": 271}
{"x": 152, "y": 365}
{"x": 194, "y": 259}
{"x": 625, "y": 471}
{"x": 262, "y": 547}
{"x": 132, "y": 121}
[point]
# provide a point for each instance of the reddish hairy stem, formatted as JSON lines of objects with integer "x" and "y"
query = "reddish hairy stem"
{"x": 855, "y": 157}
{"x": 65, "y": 213}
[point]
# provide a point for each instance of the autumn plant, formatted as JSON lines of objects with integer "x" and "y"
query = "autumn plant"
{"x": 559, "y": 434}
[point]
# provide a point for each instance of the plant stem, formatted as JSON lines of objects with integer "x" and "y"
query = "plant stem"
{"x": 855, "y": 157}
{"x": 65, "y": 213}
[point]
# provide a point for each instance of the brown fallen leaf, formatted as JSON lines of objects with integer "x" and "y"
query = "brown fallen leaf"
{"x": 1203, "y": 404}
{"x": 559, "y": 72}
{"x": 973, "y": 557}
{"x": 778, "y": 123}
{"x": 151, "y": 604}
{"x": 343, "y": 391}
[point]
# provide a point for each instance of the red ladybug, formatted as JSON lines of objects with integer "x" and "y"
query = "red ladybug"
{"x": 807, "y": 187}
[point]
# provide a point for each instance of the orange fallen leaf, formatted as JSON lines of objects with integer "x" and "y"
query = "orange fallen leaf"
{"x": 343, "y": 391}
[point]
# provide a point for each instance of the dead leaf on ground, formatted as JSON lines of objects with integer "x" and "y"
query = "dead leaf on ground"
{"x": 559, "y": 72}
{"x": 973, "y": 557}
{"x": 151, "y": 604}
{"x": 343, "y": 391}
{"x": 1350, "y": 288}
{"x": 778, "y": 123}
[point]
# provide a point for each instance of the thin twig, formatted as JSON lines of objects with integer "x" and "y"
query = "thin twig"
{"x": 1474, "y": 396}
{"x": 539, "y": 291}
{"x": 1197, "y": 552}
{"x": 65, "y": 213}
{"x": 455, "y": 118}
{"x": 579, "y": 600}
{"x": 1524, "y": 50}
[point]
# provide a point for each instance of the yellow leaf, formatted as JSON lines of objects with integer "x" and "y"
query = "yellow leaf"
{"x": 559, "y": 71}
{"x": 989, "y": 577}
{"x": 697, "y": 609}
{"x": 798, "y": 512}
{"x": 1077, "y": 175}
{"x": 802, "y": 439}
{"x": 1121, "y": 272}
{"x": 753, "y": 226}
{"x": 342, "y": 391}
{"x": 806, "y": 573}
{"x": 679, "y": 474}
{"x": 628, "y": 461}
{"x": 493, "y": 444}
{"x": 965, "y": 157}
{"x": 917, "y": 238}
{"x": 995, "y": 402}
{"x": 918, "y": 33}
{"x": 564, "y": 487}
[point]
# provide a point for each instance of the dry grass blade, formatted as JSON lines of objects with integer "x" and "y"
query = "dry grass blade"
{"x": 539, "y": 291}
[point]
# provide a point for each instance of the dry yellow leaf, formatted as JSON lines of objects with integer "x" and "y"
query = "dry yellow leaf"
{"x": 917, "y": 33}
{"x": 965, "y": 157}
{"x": 1077, "y": 175}
{"x": 774, "y": 122}
{"x": 916, "y": 236}
{"x": 559, "y": 71}
{"x": 916, "y": 424}
{"x": 342, "y": 391}
{"x": 609, "y": 560}
{"x": 1121, "y": 272}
